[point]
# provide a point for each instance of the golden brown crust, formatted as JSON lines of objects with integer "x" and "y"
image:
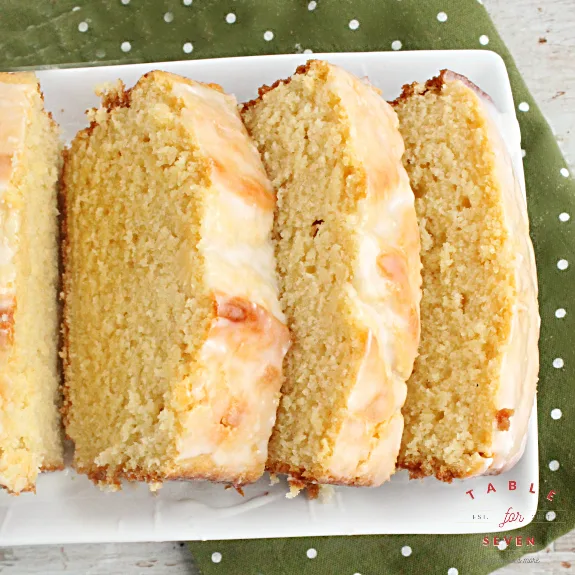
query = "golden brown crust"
{"x": 27, "y": 489}
{"x": 435, "y": 85}
{"x": 122, "y": 97}
{"x": 434, "y": 468}
{"x": 119, "y": 98}
{"x": 301, "y": 477}
{"x": 312, "y": 491}
{"x": 263, "y": 90}
{"x": 51, "y": 468}
{"x": 103, "y": 475}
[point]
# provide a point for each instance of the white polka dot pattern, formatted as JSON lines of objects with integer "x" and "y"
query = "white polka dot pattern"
{"x": 168, "y": 17}
{"x": 502, "y": 546}
{"x": 564, "y": 172}
{"x": 564, "y": 217}
{"x": 216, "y": 557}
{"x": 230, "y": 18}
{"x": 442, "y": 17}
{"x": 554, "y": 465}
{"x": 406, "y": 550}
{"x": 556, "y": 414}
{"x": 562, "y": 265}
{"x": 268, "y": 35}
{"x": 523, "y": 107}
{"x": 188, "y": 48}
{"x": 311, "y": 553}
{"x": 353, "y": 24}
{"x": 550, "y": 515}
{"x": 452, "y": 571}
{"x": 484, "y": 40}
{"x": 126, "y": 46}
{"x": 558, "y": 363}
{"x": 83, "y": 26}
{"x": 312, "y": 6}
{"x": 396, "y": 45}
{"x": 560, "y": 313}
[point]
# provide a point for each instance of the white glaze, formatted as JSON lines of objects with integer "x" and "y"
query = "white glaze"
{"x": 16, "y": 94}
{"x": 236, "y": 397}
{"x": 387, "y": 304}
{"x": 14, "y": 109}
{"x": 520, "y": 363}
{"x": 520, "y": 356}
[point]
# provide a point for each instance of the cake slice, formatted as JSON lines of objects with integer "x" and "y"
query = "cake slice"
{"x": 347, "y": 246}
{"x": 30, "y": 434}
{"x": 174, "y": 336}
{"x": 472, "y": 389}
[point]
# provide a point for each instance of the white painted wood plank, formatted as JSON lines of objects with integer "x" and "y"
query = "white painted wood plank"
{"x": 566, "y": 543}
{"x": 540, "y": 37}
{"x": 104, "y": 559}
{"x": 547, "y": 562}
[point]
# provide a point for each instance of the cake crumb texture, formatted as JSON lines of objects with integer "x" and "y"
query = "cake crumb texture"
{"x": 473, "y": 367}
{"x": 30, "y": 432}
{"x": 173, "y": 343}
{"x": 349, "y": 276}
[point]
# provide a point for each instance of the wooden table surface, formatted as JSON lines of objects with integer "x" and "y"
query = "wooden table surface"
{"x": 541, "y": 38}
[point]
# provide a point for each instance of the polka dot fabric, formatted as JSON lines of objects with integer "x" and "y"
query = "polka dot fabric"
{"x": 73, "y": 32}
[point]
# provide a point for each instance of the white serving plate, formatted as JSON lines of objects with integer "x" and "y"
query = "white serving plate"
{"x": 69, "y": 509}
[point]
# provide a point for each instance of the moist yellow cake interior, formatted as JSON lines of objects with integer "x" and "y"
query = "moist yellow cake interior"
{"x": 468, "y": 285}
{"x": 30, "y": 436}
{"x": 138, "y": 312}
{"x": 317, "y": 185}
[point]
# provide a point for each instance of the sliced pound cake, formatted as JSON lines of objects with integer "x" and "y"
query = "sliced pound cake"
{"x": 174, "y": 336}
{"x": 30, "y": 435}
{"x": 472, "y": 389}
{"x": 347, "y": 245}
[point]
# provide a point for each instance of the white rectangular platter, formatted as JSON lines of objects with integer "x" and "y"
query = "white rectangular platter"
{"x": 68, "y": 508}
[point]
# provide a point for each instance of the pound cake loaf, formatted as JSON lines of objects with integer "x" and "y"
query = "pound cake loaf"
{"x": 347, "y": 246}
{"x": 174, "y": 336}
{"x": 472, "y": 389}
{"x": 30, "y": 434}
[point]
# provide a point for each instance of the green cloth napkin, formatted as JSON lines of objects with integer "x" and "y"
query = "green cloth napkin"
{"x": 36, "y": 33}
